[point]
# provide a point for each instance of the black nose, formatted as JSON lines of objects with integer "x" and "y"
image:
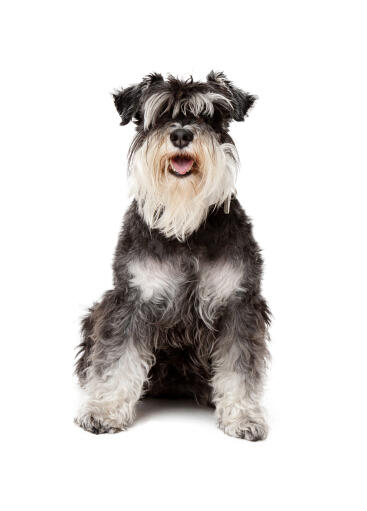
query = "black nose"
{"x": 181, "y": 137}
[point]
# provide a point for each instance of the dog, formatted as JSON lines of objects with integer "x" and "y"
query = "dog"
{"x": 185, "y": 317}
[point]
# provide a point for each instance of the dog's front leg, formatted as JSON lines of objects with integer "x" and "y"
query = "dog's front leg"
{"x": 238, "y": 369}
{"x": 114, "y": 365}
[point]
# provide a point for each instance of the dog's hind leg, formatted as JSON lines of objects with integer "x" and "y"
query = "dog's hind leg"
{"x": 239, "y": 363}
{"x": 113, "y": 366}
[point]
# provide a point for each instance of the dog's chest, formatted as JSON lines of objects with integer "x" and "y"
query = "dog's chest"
{"x": 204, "y": 285}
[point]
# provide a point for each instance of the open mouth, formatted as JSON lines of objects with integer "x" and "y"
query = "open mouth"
{"x": 181, "y": 166}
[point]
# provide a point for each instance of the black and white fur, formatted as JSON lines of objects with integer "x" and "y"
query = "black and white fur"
{"x": 186, "y": 316}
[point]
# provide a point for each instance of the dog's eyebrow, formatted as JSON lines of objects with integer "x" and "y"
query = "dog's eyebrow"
{"x": 154, "y": 105}
{"x": 203, "y": 103}
{"x": 196, "y": 104}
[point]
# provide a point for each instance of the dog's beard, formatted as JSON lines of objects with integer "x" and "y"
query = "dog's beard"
{"x": 178, "y": 204}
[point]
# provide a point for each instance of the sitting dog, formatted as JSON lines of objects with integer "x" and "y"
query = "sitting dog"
{"x": 186, "y": 316}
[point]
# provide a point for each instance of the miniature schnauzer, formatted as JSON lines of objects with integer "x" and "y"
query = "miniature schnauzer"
{"x": 186, "y": 316}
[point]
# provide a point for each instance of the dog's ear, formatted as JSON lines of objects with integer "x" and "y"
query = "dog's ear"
{"x": 241, "y": 101}
{"x": 128, "y": 101}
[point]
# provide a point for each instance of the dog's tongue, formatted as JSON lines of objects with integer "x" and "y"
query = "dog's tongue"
{"x": 182, "y": 165}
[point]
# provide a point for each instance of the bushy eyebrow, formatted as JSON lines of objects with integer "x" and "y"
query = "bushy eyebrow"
{"x": 197, "y": 104}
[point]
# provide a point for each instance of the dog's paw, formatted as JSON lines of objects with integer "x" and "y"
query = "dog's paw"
{"x": 252, "y": 428}
{"x": 98, "y": 425}
{"x": 253, "y": 431}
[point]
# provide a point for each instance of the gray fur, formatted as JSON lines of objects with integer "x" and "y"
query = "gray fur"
{"x": 193, "y": 334}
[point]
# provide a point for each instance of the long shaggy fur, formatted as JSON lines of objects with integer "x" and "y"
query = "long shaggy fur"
{"x": 177, "y": 207}
{"x": 186, "y": 316}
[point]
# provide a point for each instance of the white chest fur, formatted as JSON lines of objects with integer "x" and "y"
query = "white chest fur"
{"x": 218, "y": 281}
{"x": 214, "y": 282}
{"x": 156, "y": 280}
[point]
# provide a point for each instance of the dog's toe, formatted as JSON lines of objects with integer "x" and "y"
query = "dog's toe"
{"x": 97, "y": 426}
{"x": 253, "y": 431}
{"x": 246, "y": 427}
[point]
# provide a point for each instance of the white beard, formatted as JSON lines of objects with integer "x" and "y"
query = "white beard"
{"x": 178, "y": 206}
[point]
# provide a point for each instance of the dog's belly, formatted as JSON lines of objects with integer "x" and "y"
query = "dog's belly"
{"x": 181, "y": 373}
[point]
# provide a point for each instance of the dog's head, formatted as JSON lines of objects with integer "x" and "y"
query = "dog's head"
{"x": 182, "y": 160}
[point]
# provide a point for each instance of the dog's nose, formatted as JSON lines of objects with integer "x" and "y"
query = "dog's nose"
{"x": 181, "y": 137}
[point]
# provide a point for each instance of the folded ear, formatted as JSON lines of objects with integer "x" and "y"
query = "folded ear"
{"x": 241, "y": 101}
{"x": 128, "y": 101}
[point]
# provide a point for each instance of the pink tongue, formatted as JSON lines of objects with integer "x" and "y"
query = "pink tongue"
{"x": 182, "y": 165}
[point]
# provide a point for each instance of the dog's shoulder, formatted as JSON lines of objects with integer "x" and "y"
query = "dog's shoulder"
{"x": 228, "y": 233}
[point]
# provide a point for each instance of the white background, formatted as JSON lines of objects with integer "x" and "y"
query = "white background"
{"x": 63, "y": 194}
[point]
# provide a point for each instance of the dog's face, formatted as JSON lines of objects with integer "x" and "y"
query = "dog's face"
{"x": 182, "y": 160}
